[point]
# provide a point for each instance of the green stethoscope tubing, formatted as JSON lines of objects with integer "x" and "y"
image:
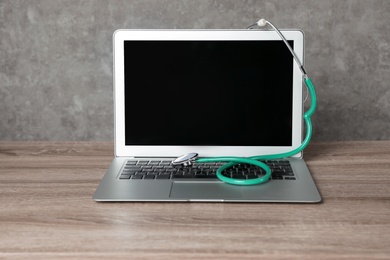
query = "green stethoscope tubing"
{"x": 255, "y": 160}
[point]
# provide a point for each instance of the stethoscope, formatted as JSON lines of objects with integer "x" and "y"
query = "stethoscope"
{"x": 190, "y": 158}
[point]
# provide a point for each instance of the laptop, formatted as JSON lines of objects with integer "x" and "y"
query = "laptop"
{"x": 210, "y": 92}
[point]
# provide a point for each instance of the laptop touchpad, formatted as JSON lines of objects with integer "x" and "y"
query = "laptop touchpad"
{"x": 204, "y": 190}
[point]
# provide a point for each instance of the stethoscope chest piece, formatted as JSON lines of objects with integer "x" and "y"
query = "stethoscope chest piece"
{"x": 185, "y": 160}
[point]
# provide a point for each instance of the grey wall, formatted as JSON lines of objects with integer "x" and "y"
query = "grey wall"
{"x": 56, "y": 60}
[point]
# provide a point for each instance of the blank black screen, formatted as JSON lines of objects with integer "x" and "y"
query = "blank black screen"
{"x": 208, "y": 93}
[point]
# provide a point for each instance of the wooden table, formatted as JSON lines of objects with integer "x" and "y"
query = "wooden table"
{"x": 47, "y": 211}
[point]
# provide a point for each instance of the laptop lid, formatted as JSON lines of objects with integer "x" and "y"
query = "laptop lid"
{"x": 213, "y": 92}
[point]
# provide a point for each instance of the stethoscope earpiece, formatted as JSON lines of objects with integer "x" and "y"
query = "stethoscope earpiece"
{"x": 262, "y": 22}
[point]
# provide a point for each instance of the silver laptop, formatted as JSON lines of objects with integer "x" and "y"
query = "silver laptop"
{"x": 210, "y": 92}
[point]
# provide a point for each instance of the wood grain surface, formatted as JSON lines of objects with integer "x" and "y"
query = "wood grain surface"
{"x": 47, "y": 211}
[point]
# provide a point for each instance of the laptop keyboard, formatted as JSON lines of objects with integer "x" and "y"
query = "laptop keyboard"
{"x": 163, "y": 170}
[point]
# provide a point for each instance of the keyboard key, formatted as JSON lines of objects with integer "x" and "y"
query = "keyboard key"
{"x": 165, "y": 177}
{"x": 165, "y": 173}
{"x": 239, "y": 176}
{"x": 165, "y": 163}
{"x": 132, "y": 167}
{"x": 131, "y": 162}
{"x": 128, "y": 173}
{"x": 131, "y": 170}
{"x": 177, "y": 176}
{"x": 143, "y": 162}
{"x": 154, "y": 163}
{"x": 211, "y": 176}
{"x": 277, "y": 171}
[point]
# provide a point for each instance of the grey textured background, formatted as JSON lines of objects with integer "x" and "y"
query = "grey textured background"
{"x": 56, "y": 60}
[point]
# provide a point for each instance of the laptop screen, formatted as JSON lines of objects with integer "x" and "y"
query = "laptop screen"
{"x": 212, "y": 93}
